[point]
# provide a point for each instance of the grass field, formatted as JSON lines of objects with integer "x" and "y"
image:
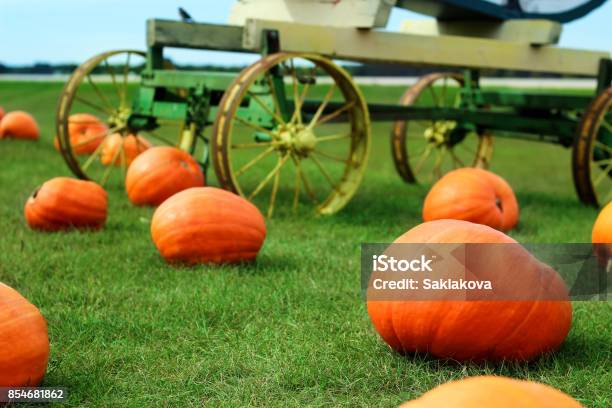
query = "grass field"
{"x": 291, "y": 330}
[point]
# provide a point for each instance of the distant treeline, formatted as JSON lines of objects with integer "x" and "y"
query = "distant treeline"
{"x": 374, "y": 70}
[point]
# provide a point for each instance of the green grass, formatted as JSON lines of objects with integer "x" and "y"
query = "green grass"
{"x": 291, "y": 330}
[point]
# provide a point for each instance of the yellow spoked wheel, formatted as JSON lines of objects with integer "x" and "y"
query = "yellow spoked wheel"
{"x": 292, "y": 128}
{"x": 592, "y": 152}
{"x": 426, "y": 149}
{"x": 93, "y": 133}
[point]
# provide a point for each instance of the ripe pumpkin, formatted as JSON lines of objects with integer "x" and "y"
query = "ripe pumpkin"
{"x": 19, "y": 125}
{"x": 161, "y": 172}
{"x": 480, "y": 329}
{"x": 86, "y": 133}
{"x": 207, "y": 225}
{"x": 63, "y": 203}
{"x": 602, "y": 234}
{"x": 475, "y": 195}
{"x": 132, "y": 146}
{"x": 493, "y": 391}
{"x": 24, "y": 341}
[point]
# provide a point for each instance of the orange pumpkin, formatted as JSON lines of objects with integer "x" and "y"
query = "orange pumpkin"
{"x": 19, "y": 125}
{"x": 474, "y": 195}
{"x": 492, "y": 391}
{"x": 602, "y": 234}
{"x": 161, "y": 172}
{"x": 86, "y": 133}
{"x": 132, "y": 147}
{"x": 207, "y": 225}
{"x": 63, "y": 203}
{"x": 24, "y": 341}
{"x": 480, "y": 329}
{"x": 1, "y": 112}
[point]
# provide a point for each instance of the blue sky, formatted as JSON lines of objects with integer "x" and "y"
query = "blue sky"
{"x": 72, "y": 30}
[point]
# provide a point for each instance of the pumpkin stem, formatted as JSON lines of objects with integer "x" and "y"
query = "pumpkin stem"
{"x": 35, "y": 193}
{"x": 499, "y": 204}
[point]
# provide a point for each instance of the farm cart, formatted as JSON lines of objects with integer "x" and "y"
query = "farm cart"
{"x": 294, "y": 126}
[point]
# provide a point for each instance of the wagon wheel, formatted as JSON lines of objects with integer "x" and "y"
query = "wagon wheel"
{"x": 102, "y": 87}
{"x": 292, "y": 125}
{"x": 433, "y": 147}
{"x": 592, "y": 152}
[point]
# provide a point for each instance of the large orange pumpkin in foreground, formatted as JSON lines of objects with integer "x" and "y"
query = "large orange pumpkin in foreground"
{"x": 480, "y": 329}
{"x": 24, "y": 341}
{"x": 132, "y": 147}
{"x": 19, "y": 125}
{"x": 63, "y": 203}
{"x": 474, "y": 195}
{"x": 161, "y": 172}
{"x": 207, "y": 225}
{"x": 491, "y": 391}
{"x": 602, "y": 234}
{"x": 86, "y": 133}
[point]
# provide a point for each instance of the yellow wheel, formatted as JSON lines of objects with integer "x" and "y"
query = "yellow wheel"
{"x": 592, "y": 152}
{"x": 292, "y": 126}
{"x": 424, "y": 149}
{"x": 93, "y": 133}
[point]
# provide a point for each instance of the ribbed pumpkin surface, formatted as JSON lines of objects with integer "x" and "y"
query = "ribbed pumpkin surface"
{"x": 474, "y": 195}
{"x": 159, "y": 173}
{"x": 24, "y": 342}
{"x": 207, "y": 225}
{"x": 19, "y": 125}
{"x": 132, "y": 146}
{"x": 491, "y": 391}
{"x": 63, "y": 203}
{"x": 479, "y": 329}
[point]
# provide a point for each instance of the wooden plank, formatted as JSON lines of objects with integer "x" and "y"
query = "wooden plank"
{"x": 410, "y": 49}
{"x": 165, "y": 33}
{"x": 535, "y": 32}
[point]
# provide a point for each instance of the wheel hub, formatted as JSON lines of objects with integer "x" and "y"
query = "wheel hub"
{"x": 119, "y": 118}
{"x": 295, "y": 138}
{"x": 439, "y": 133}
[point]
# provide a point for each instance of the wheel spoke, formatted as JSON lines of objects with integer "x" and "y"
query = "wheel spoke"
{"x": 254, "y": 126}
{"x": 126, "y": 72}
{"x": 437, "y": 170}
{"x": 113, "y": 78}
{"x": 302, "y": 175}
{"x": 250, "y": 145}
{"x": 265, "y": 181}
{"x": 277, "y": 108}
{"x": 100, "y": 136}
{"x": 123, "y": 159}
{"x": 456, "y": 159}
{"x": 266, "y": 108}
{"x": 602, "y": 176}
{"x": 330, "y": 138}
{"x": 322, "y": 106}
{"x": 444, "y": 90}
{"x": 158, "y": 137}
{"x": 434, "y": 96}
{"x": 332, "y": 157}
{"x": 92, "y": 157}
{"x": 603, "y": 146}
{"x": 335, "y": 113}
{"x": 298, "y": 183}
{"x": 606, "y": 125}
{"x": 273, "y": 194}
{"x": 297, "y": 110}
{"x": 422, "y": 159}
{"x": 254, "y": 161}
{"x": 102, "y": 97}
{"x": 93, "y": 105}
{"x": 325, "y": 173}
{"x": 111, "y": 164}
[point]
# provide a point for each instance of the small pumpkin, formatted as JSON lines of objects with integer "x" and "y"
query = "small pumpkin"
{"x": 602, "y": 234}
{"x": 493, "y": 391}
{"x": 479, "y": 330}
{"x": 474, "y": 195}
{"x": 207, "y": 225}
{"x": 63, "y": 203}
{"x": 132, "y": 146}
{"x": 159, "y": 173}
{"x": 86, "y": 133}
{"x": 19, "y": 125}
{"x": 24, "y": 341}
